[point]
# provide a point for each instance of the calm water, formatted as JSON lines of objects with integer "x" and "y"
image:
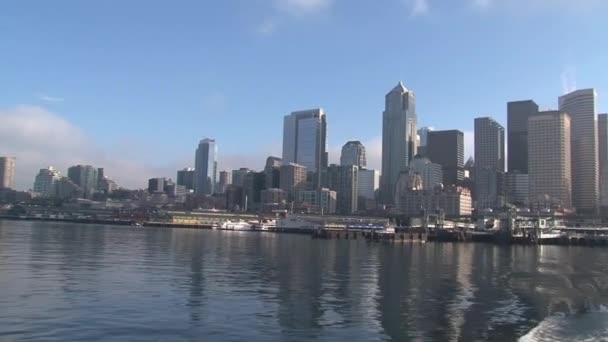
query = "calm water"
{"x": 71, "y": 282}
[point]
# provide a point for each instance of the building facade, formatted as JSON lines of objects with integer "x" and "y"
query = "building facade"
{"x": 602, "y": 135}
{"x": 446, "y": 148}
{"x": 550, "y": 160}
{"x": 353, "y": 153}
{"x": 45, "y": 184}
{"x": 423, "y": 134}
{"x": 322, "y": 201}
{"x": 85, "y": 176}
{"x": 581, "y": 107}
{"x": 273, "y": 198}
{"x": 489, "y": 163}
{"x": 369, "y": 183}
{"x": 205, "y": 168}
{"x": 272, "y": 169}
{"x": 344, "y": 180}
{"x": 453, "y": 201}
{"x": 185, "y": 178}
{"x": 305, "y": 142}
{"x": 518, "y": 113}
{"x": 225, "y": 181}
{"x": 238, "y": 176}
{"x": 399, "y": 138}
{"x": 293, "y": 179}
{"x": 7, "y": 172}
{"x": 517, "y": 188}
{"x": 431, "y": 173}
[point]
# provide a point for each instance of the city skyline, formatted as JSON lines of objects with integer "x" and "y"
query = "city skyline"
{"x": 103, "y": 109}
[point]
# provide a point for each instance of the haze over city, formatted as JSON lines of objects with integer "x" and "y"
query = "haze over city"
{"x": 85, "y": 83}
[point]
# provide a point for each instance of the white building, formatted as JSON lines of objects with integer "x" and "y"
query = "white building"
{"x": 581, "y": 106}
{"x": 431, "y": 173}
{"x": 399, "y": 133}
{"x": 45, "y": 184}
{"x": 7, "y": 172}
{"x": 304, "y": 141}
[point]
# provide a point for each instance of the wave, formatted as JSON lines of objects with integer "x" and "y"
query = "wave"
{"x": 590, "y": 324}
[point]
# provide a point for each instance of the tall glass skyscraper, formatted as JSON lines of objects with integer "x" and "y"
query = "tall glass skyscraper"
{"x": 399, "y": 132}
{"x": 489, "y": 163}
{"x": 305, "y": 142}
{"x": 581, "y": 106}
{"x": 205, "y": 169}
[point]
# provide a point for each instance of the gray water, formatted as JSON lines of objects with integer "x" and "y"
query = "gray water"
{"x": 69, "y": 282}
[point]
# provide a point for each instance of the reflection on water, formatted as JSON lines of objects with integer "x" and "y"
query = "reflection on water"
{"x": 70, "y": 282}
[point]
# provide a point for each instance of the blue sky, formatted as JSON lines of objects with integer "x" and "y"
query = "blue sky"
{"x": 133, "y": 85}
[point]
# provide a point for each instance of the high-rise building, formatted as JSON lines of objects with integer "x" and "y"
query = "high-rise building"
{"x": 85, "y": 176}
{"x": 238, "y": 176}
{"x": 45, "y": 184}
{"x": 489, "y": 163}
{"x": 185, "y": 178}
{"x": 305, "y": 142}
{"x": 252, "y": 190}
{"x": 293, "y": 178}
{"x": 369, "y": 183}
{"x": 399, "y": 132}
{"x": 423, "y": 134}
{"x": 518, "y": 113}
{"x": 581, "y": 106}
{"x": 446, "y": 148}
{"x": 273, "y": 198}
{"x": 273, "y": 172}
{"x": 550, "y": 160}
{"x": 67, "y": 189}
{"x": 602, "y": 129}
{"x": 517, "y": 188}
{"x": 353, "y": 153}
{"x": 344, "y": 180}
{"x": 7, "y": 172}
{"x": 431, "y": 173}
{"x": 205, "y": 168}
{"x": 225, "y": 181}
{"x": 156, "y": 185}
{"x": 322, "y": 201}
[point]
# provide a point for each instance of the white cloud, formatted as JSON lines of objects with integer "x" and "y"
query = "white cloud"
{"x": 39, "y": 138}
{"x": 482, "y": 3}
{"x": 48, "y": 98}
{"x": 531, "y": 6}
{"x": 302, "y": 7}
{"x": 419, "y": 7}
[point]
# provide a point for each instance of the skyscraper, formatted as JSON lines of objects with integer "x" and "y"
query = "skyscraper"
{"x": 431, "y": 173}
{"x": 7, "y": 172}
{"x": 446, "y": 148}
{"x": 238, "y": 176}
{"x": 518, "y": 113}
{"x": 550, "y": 163}
{"x": 489, "y": 163}
{"x": 85, "y": 176}
{"x": 293, "y": 179}
{"x": 344, "y": 180}
{"x": 273, "y": 172}
{"x": 602, "y": 129}
{"x": 369, "y": 182}
{"x": 353, "y": 153}
{"x": 305, "y": 142}
{"x": 399, "y": 131}
{"x": 581, "y": 106}
{"x": 225, "y": 181}
{"x": 185, "y": 178}
{"x": 205, "y": 168}
{"x": 45, "y": 184}
{"x": 423, "y": 134}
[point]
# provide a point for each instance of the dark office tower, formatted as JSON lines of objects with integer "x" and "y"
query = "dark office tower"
{"x": 156, "y": 185}
{"x": 344, "y": 179}
{"x": 518, "y": 113}
{"x": 100, "y": 177}
{"x": 272, "y": 170}
{"x": 185, "y": 177}
{"x": 446, "y": 148}
{"x": 489, "y": 163}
